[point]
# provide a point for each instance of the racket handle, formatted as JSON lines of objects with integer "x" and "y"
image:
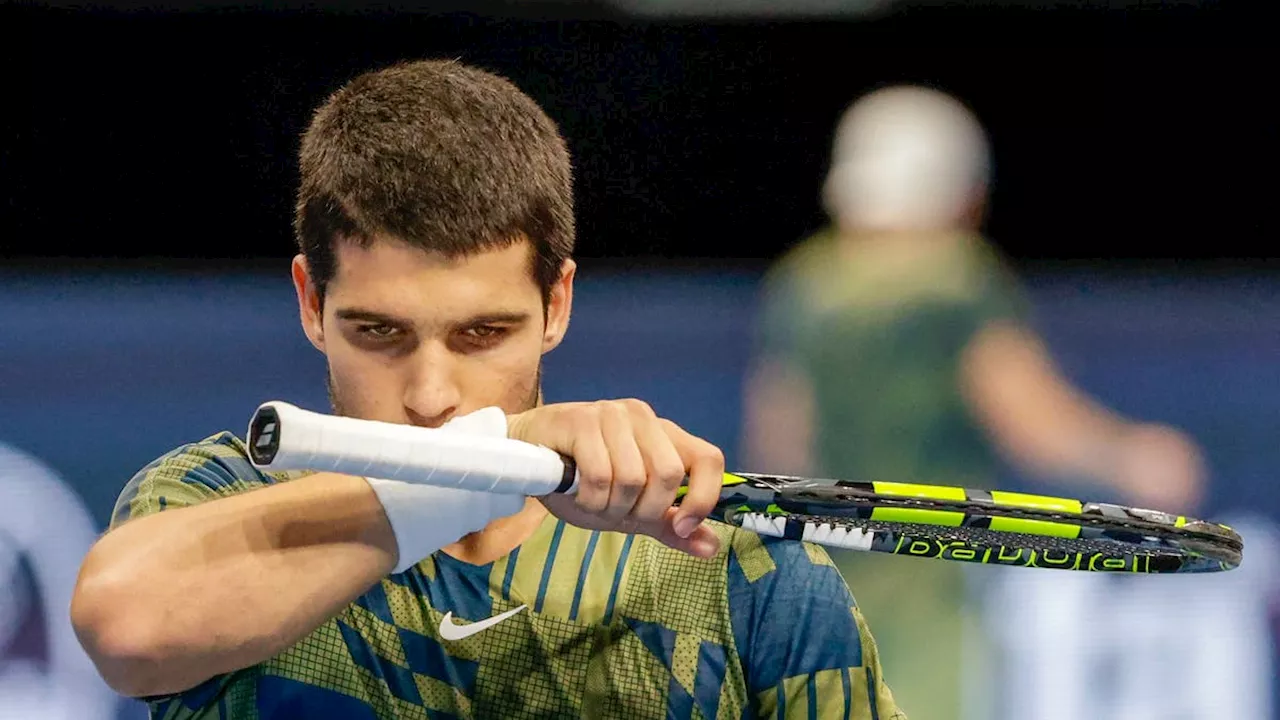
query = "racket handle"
{"x": 284, "y": 437}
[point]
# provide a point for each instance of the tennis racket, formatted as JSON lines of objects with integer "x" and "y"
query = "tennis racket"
{"x": 928, "y": 521}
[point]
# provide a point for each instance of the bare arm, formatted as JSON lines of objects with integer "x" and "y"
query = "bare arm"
{"x": 169, "y": 600}
{"x": 1046, "y": 426}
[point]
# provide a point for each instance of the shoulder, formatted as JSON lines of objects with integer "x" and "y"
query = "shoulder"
{"x": 802, "y": 262}
{"x": 986, "y": 268}
{"x": 764, "y": 569}
{"x": 215, "y": 466}
{"x": 218, "y": 462}
{"x": 799, "y": 633}
{"x": 791, "y": 610}
{"x": 790, "y": 291}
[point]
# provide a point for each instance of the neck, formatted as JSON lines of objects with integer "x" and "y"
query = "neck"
{"x": 503, "y": 535}
{"x": 900, "y": 242}
{"x": 499, "y": 537}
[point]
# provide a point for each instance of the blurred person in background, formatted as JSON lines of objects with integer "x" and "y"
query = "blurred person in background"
{"x": 895, "y": 345}
{"x": 45, "y": 531}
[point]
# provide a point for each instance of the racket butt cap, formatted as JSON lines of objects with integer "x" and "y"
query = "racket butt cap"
{"x": 264, "y": 436}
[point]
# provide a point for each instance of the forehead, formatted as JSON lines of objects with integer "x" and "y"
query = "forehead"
{"x": 394, "y": 277}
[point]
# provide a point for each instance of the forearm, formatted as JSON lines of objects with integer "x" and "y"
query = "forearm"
{"x": 1051, "y": 429}
{"x": 1040, "y": 422}
{"x": 167, "y": 601}
{"x": 1084, "y": 446}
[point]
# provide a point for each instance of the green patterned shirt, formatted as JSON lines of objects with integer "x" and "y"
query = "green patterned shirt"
{"x": 612, "y": 626}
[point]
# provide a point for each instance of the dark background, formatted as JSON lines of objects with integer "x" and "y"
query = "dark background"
{"x": 1142, "y": 137}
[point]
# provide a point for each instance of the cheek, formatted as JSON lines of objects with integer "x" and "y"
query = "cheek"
{"x": 362, "y": 385}
{"x": 506, "y": 378}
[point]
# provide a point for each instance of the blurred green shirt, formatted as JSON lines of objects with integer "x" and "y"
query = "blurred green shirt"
{"x": 879, "y": 333}
{"x": 879, "y": 330}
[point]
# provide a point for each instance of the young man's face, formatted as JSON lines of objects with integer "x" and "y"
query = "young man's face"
{"x": 416, "y": 338}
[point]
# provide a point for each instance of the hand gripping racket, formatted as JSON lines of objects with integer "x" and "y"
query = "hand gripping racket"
{"x": 930, "y": 521}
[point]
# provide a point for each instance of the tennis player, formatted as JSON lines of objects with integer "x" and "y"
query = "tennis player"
{"x": 435, "y": 224}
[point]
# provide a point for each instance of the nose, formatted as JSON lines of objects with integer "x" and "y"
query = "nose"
{"x": 433, "y": 396}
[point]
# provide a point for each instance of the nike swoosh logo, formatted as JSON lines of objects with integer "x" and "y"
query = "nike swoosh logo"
{"x": 450, "y": 631}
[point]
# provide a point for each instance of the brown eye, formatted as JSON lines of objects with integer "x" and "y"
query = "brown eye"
{"x": 379, "y": 332}
{"x": 484, "y": 336}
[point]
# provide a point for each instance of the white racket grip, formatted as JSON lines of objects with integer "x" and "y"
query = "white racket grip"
{"x": 284, "y": 437}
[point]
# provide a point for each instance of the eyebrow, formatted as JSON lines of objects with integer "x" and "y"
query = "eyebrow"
{"x": 498, "y": 318}
{"x": 493, "y": 318}
{"x": 368, "y": 316}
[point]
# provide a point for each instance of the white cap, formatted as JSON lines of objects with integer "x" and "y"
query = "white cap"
{"x": 906, "y": 158}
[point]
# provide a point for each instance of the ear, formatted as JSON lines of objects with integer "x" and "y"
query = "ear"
{"x": 976, "y": 211}
{"x": 308, "y": 302}
{"x": 559, "y": 305}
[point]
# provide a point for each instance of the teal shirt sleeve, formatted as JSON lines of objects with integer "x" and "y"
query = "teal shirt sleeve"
{"x": 805, "y": 648}
{"x": 998, "y": 294}
{"x": 215, "y": 467}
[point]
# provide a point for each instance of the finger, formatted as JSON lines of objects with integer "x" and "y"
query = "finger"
{"x": 702, "y": 542}
{"x": 627, "y": 461}
{"x": 664, "y": 467}
{"x": 705, "y": 465}
{"x": 595, "y": 469}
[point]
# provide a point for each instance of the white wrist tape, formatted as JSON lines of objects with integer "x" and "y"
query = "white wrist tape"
{"x": 425, "y": 518}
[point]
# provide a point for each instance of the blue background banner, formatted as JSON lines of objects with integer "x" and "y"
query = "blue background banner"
{"x": 99, "y": 374}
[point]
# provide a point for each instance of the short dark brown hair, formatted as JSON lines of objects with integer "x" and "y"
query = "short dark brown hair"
{"x": 445, "y": 157}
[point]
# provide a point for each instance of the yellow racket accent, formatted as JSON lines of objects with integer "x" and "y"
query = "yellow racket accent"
{"x": 1039, "y": 502}
{"x": 1035, "y": 527}
{"x": 949, "y": 518}
{"x": 933, "y": 492}
{"x": 729, "y": 480}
